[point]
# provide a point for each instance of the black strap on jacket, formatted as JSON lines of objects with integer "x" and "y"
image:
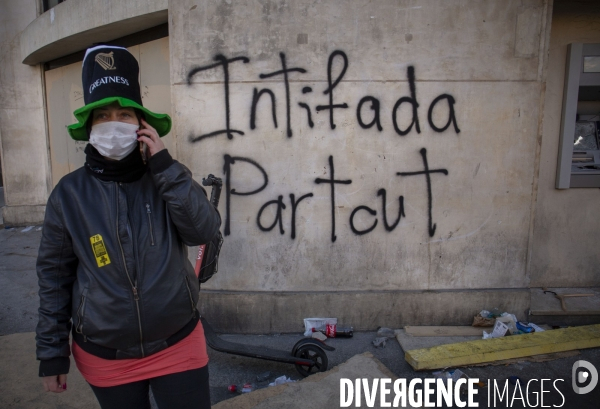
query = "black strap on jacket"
{"x": 110, "y": 353}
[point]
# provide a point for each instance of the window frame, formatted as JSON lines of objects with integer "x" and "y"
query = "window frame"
{"x": 46, "y": 6}
{"x": 574, "y": 79}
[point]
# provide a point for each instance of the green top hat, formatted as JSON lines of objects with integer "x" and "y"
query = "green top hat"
{"x": 110, "y": 74}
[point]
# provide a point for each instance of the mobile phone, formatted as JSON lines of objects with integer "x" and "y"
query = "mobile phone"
{"x": 144, "y": 151}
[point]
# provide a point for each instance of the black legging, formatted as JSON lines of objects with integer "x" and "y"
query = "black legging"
{"x": 182, "y": 390}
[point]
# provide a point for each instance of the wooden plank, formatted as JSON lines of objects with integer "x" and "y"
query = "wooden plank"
{"x": 560, "y": 312}
{"x": 444, "y": 331}
{"x": 516, "y": 346}
{"x": 533, "y": 358}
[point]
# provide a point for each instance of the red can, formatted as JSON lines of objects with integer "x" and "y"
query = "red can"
{"x": 247, "y": 387}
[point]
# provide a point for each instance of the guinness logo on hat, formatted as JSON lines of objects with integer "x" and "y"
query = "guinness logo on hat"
{"x": 106, "y": 60}
{"x": 102, "y": 78}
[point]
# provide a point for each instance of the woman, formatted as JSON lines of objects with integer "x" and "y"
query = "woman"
{"x": 112, "y": 265}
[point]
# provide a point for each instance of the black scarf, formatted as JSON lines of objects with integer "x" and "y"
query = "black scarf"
{"x": 129, "y": 169}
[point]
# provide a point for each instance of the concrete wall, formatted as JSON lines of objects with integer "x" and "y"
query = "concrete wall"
{"x": 22, "y": 120}
{"x": 567, "y": 232}
{"x": 483, "y": 62}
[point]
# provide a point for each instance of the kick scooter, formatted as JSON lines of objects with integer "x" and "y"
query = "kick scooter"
{"x": 308, "y": 354}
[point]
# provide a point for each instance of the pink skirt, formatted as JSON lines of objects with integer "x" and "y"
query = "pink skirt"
{"x": 189, "y": 353}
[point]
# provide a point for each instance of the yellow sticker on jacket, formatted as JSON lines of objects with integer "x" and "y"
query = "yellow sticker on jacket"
{"x": 99, "y": 250}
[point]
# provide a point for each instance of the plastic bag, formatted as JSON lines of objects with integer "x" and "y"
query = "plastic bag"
{"x": 281, "y": 380}
{"x": 500, "y": 330}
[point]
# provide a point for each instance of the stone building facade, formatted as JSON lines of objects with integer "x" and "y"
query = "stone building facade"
{"x": 385, "y": 163}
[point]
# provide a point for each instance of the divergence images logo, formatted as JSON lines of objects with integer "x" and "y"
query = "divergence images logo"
{"x": 582, "y": 377}
{"x": 106, "y": 60}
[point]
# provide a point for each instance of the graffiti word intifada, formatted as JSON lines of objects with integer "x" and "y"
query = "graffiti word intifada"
{"x": 332, "y": 182}
{"x": 329, "y": 105}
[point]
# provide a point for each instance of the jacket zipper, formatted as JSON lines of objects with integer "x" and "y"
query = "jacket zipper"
{"x": 149, "y": 213}
{"x": 80, "y": 312}
{"x": 187, "y": 284}
{"x": 133, "y": 285}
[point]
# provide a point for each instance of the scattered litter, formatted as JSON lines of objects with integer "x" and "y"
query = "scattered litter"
{"x": 510, "y": 320}
{"x": 535, "y": 327}
{"x": 247, "y": 387}
{"x": 500, "y": 330}
{"x": 281, "y": 380}
{"x": 327, "y": 326}
{"x": 483, "y": 319}
{"x": 493, "y": 313}
{"x": 524, "y": 328}
{"x": 454, "y": 375}
{"x": 26, "y": 229}
{"x": 344, "y": 332}
{"x": 380, "y": 342}
{"x": 513, "y": 326}
{"x": 503, "y": 328}
{"x": 311, "y": 324}
{"x": 263, "y": 376}
{"x": 319, "y": 335}
{"x": 385, "y": 332}
{"x": 441, "y": 375}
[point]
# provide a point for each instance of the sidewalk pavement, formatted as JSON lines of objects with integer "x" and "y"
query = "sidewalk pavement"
{"x": 18, "y": 318}
{"x": 21, "y": 388}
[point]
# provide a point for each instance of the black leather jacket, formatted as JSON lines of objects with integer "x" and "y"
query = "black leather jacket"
{"x": 113, "y": 258}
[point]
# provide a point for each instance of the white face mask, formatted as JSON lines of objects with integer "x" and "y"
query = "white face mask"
{"x": 114, "y": 139}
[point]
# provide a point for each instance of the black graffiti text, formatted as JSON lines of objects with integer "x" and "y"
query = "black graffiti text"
{"x": 279, "y": 207}
{"x": 368, "y": 108}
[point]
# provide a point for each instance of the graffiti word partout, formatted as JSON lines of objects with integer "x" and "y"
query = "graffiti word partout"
{"x": 280, "y": 206}
{"x": 369, "y": 106}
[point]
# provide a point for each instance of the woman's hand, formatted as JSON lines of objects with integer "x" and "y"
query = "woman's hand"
{"x": 56, "y": 383}
{"x": 149, "y": 136}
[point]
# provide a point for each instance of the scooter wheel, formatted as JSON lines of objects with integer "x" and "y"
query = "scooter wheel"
{"x": 315, "y": 354}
